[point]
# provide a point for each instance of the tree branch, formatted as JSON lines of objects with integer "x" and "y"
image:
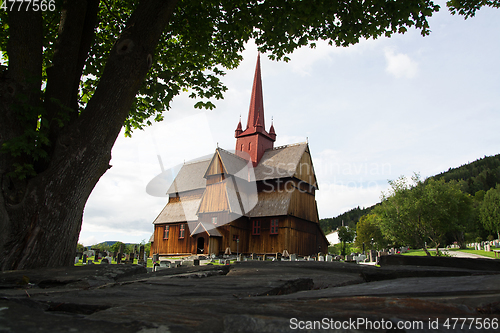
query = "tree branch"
{"x": 20, "y": 83}
{"x": 70, "y": 53}
{"x": 129, "y": 61}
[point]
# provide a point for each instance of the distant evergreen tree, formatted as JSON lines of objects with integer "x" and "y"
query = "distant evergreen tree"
{"x": 349, "y": 219}
{"x": 480, "y": 175}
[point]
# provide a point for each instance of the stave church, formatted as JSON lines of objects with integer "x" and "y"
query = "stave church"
{"x": 256, "y": 199}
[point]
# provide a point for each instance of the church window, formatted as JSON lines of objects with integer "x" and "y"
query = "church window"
{"x": 249, "y": 146}
{"x": 274, "y": 227}
{"x": 182, "y": 231}
{"x": 166, "y": 232}
{"x": 256, "y": 227}
{"x": 214, "y": 220}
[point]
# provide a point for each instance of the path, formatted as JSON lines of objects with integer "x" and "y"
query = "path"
{"x": 460, "y": 254}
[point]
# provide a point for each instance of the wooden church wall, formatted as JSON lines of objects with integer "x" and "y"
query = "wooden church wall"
{"x": 303, "y": 205}
{"x": 306, "y": 237}
{"x": 215, "y": 199}
{"x": 305, "y": 169}
{"x": 173, "y": 245}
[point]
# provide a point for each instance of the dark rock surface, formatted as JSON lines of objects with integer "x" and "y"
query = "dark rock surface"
{"x": 252, "y": 296}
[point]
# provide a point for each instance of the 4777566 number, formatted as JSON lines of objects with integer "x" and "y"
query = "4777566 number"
{"x": 26, "y": 5}
{"x": 471, "y": 323}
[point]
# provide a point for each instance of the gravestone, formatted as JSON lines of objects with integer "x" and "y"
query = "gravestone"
{"x": 96, "y": 255}
{"x": 84, "y": 259}
{"x": 373, "y": 255}
{"x": 77, "y": 260}
{"x": 141, "y": 260}
{"x": 165, "y": 264}
{"x": 254, "y": 256}
{"x": 119, "y": 258}
{"x": 221, "y": 261}
{"x": 321, "y": 258}
{"x": 227, "y": 262}
{"x": 360, "y": 258}
{"x": 278, "y": 256}
{"x": 264, "y": 257}
{"x": 196, "y": 262}
{"x": 293, "y": 257}
{"x": 329, "y": 257}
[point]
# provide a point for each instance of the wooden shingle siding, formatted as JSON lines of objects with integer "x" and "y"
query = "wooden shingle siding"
{"x": 305, "y": 169}
{"x": 215, "y": 167}
{"x": 215, "y": 198}
{"x": 303, "y": 205}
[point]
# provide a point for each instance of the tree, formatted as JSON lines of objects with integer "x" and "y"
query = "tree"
{"x": 73, "y": 75}
{"x": 368, "y": 233}
{"x": 116, "y": 247}
{"x": 468, "y": 8}
{"x": 415, "y": 212}
{"x": 490, "y": 210}
{"x": 346, "y": 235}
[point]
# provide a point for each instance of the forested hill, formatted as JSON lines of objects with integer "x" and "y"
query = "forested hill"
{"x": 349, "y": 218}
{"x": 481, "y": 174}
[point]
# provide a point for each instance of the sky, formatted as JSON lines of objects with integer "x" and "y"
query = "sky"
{"x": 371, "y": 112}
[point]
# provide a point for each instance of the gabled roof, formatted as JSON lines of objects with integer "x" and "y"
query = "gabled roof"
{"x": 180, "y": 211}
{"x": 280, "y": 162}
{"x": 207, "y": 227}
{"x": 190, "y": 177}
{"x": 231, "y": 164}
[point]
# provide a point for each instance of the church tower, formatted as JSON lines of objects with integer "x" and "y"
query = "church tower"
{"x": 255, "y": 140}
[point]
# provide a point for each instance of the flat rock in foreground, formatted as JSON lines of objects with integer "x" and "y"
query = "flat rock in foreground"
{"x": 246, "y": 297}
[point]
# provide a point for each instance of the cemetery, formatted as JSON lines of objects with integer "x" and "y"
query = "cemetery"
{"x": 245, "y": 293}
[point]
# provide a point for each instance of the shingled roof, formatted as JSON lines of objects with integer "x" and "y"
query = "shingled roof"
{"x": 190, "y": 177}
{"x": 179, "y": 211}
{"x": 280, "y": 162}
{"x": 271, "y": 204}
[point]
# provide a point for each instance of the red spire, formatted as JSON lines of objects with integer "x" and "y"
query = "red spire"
{"x": 272, "y": 133}
{"x": 256, "y": 112}
{"x": 254, "y": 140}
{"x": 238, "y": 129}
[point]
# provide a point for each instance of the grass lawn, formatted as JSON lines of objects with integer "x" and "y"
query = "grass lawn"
{"x": 490, "y": 254}
{"x": 419, "y": 253}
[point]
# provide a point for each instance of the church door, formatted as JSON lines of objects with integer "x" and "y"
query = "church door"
{"x": 200, "y": 245}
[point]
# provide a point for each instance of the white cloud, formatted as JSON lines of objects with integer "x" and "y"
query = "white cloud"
{"x": 400, "y": 65}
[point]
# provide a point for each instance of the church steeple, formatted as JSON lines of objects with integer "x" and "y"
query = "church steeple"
{"x": 256, "y": 111}
{"x": 255, "y": 140}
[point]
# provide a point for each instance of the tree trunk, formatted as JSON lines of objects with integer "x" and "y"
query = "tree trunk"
{"x": 41, "y": 216}
{"x": 42, "y": 230}
{"x": 426, "y": 251}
